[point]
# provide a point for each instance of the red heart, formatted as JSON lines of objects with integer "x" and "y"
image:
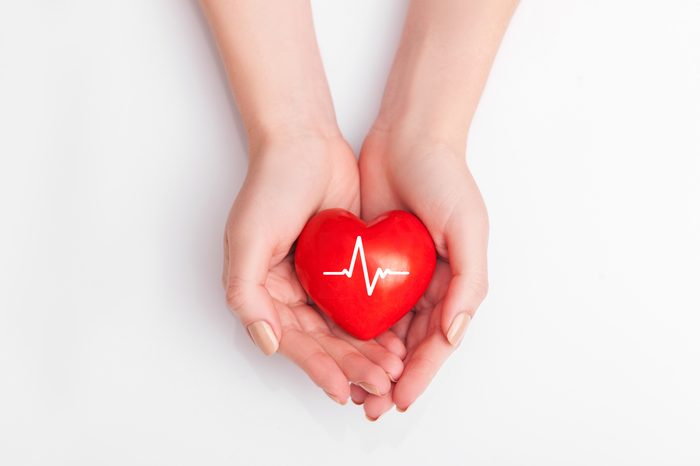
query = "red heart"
{"x": 365, "y": 276}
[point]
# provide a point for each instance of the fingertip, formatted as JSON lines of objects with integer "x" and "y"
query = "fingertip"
{"x": 464, "y": 295}
{"x": 389, "y": 362}
{"x": 357, "y": 394}
{"x": 378, "y": 354}
{"x": 264, "y": 337}
{"x": 392, "y": 343}
{"x": 403, "y": 396}
{"x": 376, "y": 406}
{"x": 457, "y": 328}
{"x": 393, "y": 366}
{"x": 420, "y": 369}
{"x": 371, "y": 377}
{"x": 385, "y": 386}
{"x": 370, "y": 388}
{"x": 336, "y": 398}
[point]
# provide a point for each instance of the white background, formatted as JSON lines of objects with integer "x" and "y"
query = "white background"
{"x": 120, "y": 152}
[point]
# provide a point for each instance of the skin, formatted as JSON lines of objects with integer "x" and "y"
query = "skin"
{"x": 412, "y": 159}
{"x": 299, "y": 164}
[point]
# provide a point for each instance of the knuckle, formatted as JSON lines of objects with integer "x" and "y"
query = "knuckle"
{"x": 235, "y": 294}
{"x": 350, "y": 359}
{"x": 479, "y": 285}
{"x": 317, "y": 356}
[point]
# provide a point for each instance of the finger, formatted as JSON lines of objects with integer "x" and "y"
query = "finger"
{"x": 378, "y": 354}
{"x": 466, "y": 236}
{"x": 247, "y": 265}
{"x": 401, "y": 327}
{"x": 417, "y": 332}
{"x": 392, "y": 342}
{"x": 375, "y": 406}
{"x": 426, "y": 315}
{"x": 421, "y": 366}
{"x": 357, "y": 394}
{"x": 318, "y": 365}
{"x": 356, "y": 367}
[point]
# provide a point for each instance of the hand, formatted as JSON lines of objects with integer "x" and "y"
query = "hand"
{"x": 431, "y": 180}
{"x": 289, "y": 179}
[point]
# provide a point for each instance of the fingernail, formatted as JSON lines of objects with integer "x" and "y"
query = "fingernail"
{"x": 371, "y": 419}
{"x": 402, "y": 410}
{"x": 369, "y": 388}
{"x": 334, "y": 398}
{"x": 457, "y": 328}
{"x": 263, "y": 336}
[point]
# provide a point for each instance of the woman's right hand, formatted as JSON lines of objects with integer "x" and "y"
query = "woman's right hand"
{"x": 289, "y": 179}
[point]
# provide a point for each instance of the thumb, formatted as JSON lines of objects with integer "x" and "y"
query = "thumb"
{"x": 246, "y": 264}
{"x": 467, "y": 243}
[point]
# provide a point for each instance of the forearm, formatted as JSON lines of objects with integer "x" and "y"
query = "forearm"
{"x": 274, "y": 67}
{"x": 441, "y": 67}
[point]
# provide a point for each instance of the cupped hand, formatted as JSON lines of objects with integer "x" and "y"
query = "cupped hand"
{"x": 289, "y": 179}
{"x": 432, "y": 180}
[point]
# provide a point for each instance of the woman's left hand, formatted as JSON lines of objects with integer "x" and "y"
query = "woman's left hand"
{"x": 433, "y": 181}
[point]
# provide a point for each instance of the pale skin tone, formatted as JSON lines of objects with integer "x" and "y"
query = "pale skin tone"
{"x": 412, "y": 159}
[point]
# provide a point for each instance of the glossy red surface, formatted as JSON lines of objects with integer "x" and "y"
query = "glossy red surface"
{"x": 400, "y": 260}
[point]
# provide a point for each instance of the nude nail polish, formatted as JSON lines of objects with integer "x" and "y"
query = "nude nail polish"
{"x": 369, "y": 388}
{"x": 457, "y": 328}
{"x": 263, "y": 336}
{"x": 334, "y": 398}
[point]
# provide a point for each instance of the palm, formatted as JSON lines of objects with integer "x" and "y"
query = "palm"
{"x": 320, "y": 346}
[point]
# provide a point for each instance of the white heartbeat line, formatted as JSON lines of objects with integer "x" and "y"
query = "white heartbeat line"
{"x": 380, "y": 273}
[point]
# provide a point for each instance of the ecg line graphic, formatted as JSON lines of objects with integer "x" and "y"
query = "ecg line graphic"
{"x": 380, "y": 273}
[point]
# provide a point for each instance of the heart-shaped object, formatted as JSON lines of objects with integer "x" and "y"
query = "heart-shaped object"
{"x": 365, "y": 276}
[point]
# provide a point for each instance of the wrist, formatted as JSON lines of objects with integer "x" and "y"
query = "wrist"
{"x": 409, "y": 135}
{"x": 301, "y": 131}
{"x": 408, "y": 111}
{"x": 403, "y": 145}
{"x": 306, "y": 146}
